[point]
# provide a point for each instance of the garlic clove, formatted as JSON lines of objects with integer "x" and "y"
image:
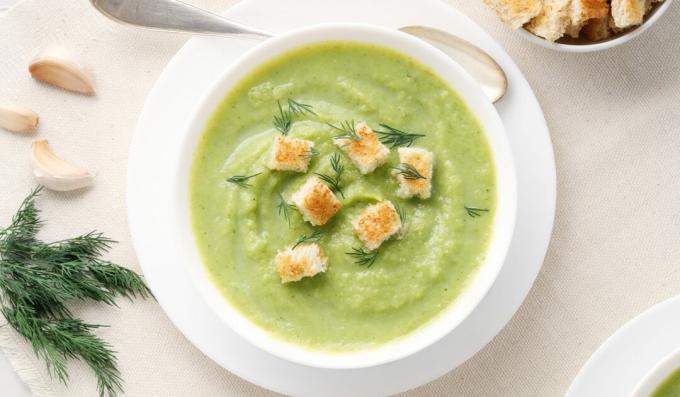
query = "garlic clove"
{"x": 56, "y": 67}
{"x": 55, "y": 173}
{"x": 17, "y": 118}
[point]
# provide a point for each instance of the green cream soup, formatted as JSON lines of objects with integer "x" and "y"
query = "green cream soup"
{"x": 670, "y": 386}
{"x": 239, "y": 230}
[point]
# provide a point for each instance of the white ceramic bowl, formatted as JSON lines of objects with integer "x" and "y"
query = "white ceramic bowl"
{"x": 616, "y": 40}
{"x": 656, "y": 375}
{"x": 503, "y": 224}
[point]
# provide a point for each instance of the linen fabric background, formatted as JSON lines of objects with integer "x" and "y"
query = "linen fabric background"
{"x": 615, "y": 122}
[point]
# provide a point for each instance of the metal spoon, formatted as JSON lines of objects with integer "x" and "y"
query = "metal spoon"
{"x": 177, "y": 16}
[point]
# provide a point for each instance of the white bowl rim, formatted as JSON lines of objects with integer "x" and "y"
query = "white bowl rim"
{"x": 504, "y": 220}
{"x": 604, "y": 45}
{"x": 655, "y": 376}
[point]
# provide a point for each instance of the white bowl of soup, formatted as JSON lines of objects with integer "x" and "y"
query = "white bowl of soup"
{"x": 237, "y": 215}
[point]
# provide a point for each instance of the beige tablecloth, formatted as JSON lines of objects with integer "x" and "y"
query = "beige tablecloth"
{"x": 615, "y": 123}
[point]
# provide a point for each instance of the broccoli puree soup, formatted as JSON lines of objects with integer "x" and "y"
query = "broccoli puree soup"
{"x": 244, "y": 212}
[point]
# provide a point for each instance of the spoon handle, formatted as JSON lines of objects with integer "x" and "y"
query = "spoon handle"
{"x": 173, "y": 15}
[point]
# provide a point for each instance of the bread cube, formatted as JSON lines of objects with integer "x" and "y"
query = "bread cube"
{"x": 582, "y": 11}
{"x": 421, "y": 161}
{"x": 290, "y": 154}
{"x": 305, "y": 260}
{"x": 628, "y": 13}
{"x": 376, "y": 223}
{"x": 316, "y": 201}
{"x": 552, "y": 22}
{"x": 515, "y": 12}
{"x": 368, "y": 153}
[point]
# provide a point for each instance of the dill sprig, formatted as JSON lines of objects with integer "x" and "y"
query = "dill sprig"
{"x": 298, "y": 108}
{"x": 38, "y": 279}
{"x": 396, "y": 137}
{"x": 408, "y": 171}
{"x": 334, "y": 181}
{"x": 347, "y": 129}
{"x": 242, "y": 180}
{"x": 311, "y": 153}
{"x": 401, "y": 213}
{"x": 475, "y": 212}
{"x": 284, "y": 120}
{"x": 363, "y": 257}
{"x": 314, "y": 237}
{"x": 284, "y": 208}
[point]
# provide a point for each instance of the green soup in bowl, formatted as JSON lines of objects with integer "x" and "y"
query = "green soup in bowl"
{"x": 241, "y": 214}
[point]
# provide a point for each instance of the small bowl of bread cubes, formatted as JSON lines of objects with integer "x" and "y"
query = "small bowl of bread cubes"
{"x": 579, "y": 25}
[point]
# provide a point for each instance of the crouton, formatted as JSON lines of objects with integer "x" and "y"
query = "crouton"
{"x": 515, "y": 12}
{"x": 628, "y": 13}
{"x": 553, "y": 20}
{"x": 596, "y": 29}
{"x": 367, "y": 153}
{"x": 376, "y": 223}
{"x": 582, "y": 11}
{"x": 316, "y": 201}
{"x": 418, "y": 182}
{"x": 305, "y": 260}
{"x": 290, "y": 154}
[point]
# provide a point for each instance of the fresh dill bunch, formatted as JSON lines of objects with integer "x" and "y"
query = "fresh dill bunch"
{"x": 284, "y": 120}
{"x": 242, "y": 180}
{"x": 284, "y": 208}
{"x": 363, "y": 257}
{"x": 334, "y": 181}
{"x": 38, "y": 279}
{"x": 396, "y": 137}
{"x": 314, "y": 237}
{"x": 347, "y": 130}
{"x": 408, "y": 171}
{"x": 475, "y": 212}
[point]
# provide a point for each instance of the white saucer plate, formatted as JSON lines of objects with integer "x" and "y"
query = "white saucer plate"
{"x": 630, "y": 353}
{"x": 168, "y": 110}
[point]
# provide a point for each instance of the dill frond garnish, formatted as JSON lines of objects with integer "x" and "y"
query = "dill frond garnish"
{"x": 284, "y": 120}
{"x": 295, "y": 107}
{"x": 241, "y": 180}
{"x": 334, "y": 181}
{"x": 396, "y": 137}
{"x": 408, "y": 171}
{"x": 401, "y": 213}
{"x": 38, "y": 280}
{"x": 284, "y": 208}
{"x": 314, "y": 237}
{"x": 311, "y": 153}
{"x": 363, "y": 257}
{"x": 347, "y": 130}
{"x": 475, "y": 212}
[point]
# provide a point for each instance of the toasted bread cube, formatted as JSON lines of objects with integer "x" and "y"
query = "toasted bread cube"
{"x": 422, "y": 161}
{"x": 368, "y": 153}
{"x": 290, "y": 154}
{"x": 515, "y": 12}
{"x": 316, "y": 201}
{"x": 628, "y": 13}
{"x": 552, "y": 22}
{"x": 376, "y": 223}
{"x": 305, "y": 260}
{"x": 582, "y": 11}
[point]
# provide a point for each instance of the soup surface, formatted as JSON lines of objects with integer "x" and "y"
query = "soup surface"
{"x": 239, "y": 230}
{"x": 670, "y": 386}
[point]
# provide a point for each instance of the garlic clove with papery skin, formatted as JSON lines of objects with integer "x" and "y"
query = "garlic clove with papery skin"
{"x": 55, "y": 173}
{"x": 58, "y": 68}
{"x": 17, "y": 118}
